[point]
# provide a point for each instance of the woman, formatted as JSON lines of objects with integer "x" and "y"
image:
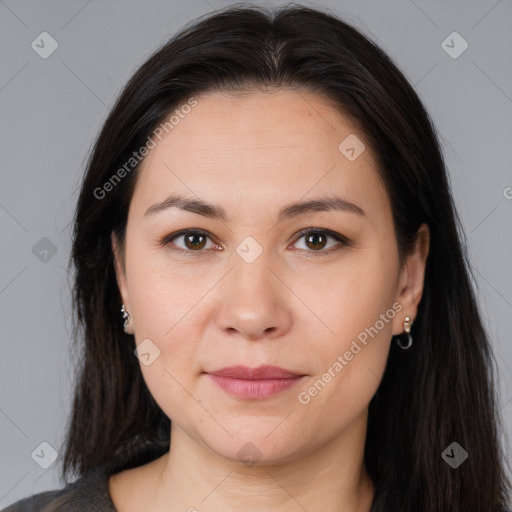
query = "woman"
{"x": 268, "y": 207}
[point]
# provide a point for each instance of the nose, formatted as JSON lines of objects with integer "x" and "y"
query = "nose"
{"x": 254, "y": 302}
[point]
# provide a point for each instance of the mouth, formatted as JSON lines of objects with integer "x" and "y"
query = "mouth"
{"x": 254, "y": 383}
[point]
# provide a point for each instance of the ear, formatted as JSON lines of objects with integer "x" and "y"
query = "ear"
{"x": 120, "y": 270}
{"x": 411, "y": 280}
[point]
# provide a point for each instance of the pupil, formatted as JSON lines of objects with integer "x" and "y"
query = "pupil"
{"x": 192, "y": 245}
{"x": 314, "y": 236}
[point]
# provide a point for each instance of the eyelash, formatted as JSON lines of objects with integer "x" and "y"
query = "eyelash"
{"x": 343, "y": 241}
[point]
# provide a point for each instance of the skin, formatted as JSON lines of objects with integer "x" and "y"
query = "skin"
{"x": 291, "y": 307}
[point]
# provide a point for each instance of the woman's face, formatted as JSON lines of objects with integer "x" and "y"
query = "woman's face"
{"x": 254, "y": 287}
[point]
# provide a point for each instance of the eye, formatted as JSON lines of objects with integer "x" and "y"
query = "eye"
{"x": 316, "y": 239}
{"x": 194, "y": 241}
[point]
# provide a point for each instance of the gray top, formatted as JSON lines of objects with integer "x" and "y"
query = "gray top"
{"x": 89, "y": 493}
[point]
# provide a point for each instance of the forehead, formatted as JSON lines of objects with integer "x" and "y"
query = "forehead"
{"x": 262, "y": 148}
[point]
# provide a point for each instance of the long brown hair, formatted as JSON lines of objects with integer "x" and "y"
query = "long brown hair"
{"x": 441, "y": 390}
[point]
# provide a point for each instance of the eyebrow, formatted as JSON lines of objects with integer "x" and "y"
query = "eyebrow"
{"x": 322, "y": 204}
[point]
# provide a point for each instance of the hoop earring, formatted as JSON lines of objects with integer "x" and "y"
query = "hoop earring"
{"x": 126, "y": 316}
{"x": 407, "y": 329}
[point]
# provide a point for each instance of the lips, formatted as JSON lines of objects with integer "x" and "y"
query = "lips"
{"x": 254, "y": 383}
{"x": 259, "y": 373}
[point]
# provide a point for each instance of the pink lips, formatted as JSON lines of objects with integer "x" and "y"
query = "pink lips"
{"x": 261, "y": 382}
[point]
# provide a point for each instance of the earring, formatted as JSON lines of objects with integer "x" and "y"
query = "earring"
{"x": 126, "y": 316}
{"x": 407, "y": 329}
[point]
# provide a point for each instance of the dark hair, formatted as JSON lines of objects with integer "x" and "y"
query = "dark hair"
{"x": 440, "y": 391}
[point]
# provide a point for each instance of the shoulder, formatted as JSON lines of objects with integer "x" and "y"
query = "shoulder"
{"x": 35, "y": 502}
{"x": 87, "y": 494}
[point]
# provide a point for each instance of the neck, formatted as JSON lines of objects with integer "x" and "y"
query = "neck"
{"x": 329, "y": 477}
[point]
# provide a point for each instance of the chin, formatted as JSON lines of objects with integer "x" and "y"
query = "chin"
{"x": 254, "y": 447}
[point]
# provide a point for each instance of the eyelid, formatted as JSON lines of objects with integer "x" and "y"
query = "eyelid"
{"x": 333, "y": 234}
{"x": 167, "y": 239}
{"x": 341, "y": 239}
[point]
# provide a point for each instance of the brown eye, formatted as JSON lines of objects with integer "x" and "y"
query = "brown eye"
{"x": 315, "y": 241}
{"x": 190, "y": 241}
{"x": 195, "y": 241}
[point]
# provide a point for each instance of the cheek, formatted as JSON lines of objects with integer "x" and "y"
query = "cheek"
{"x": 166, "y": 313}
{"x": 168, "y": 387}
{"x": 351, "y": 359}
{"x": 165, "y": 317}
{"x": 354, "y": 297}
{"x": 162, "y": 297}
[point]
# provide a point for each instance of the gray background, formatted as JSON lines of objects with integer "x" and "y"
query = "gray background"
{"x": 51, "y": 110}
